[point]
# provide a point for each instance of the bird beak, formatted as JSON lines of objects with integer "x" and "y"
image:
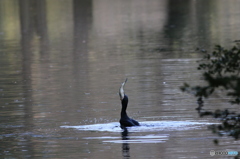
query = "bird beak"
{"x": 121, "y": 91}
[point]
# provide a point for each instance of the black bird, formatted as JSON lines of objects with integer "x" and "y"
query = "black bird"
{"x": 125, "y": 121}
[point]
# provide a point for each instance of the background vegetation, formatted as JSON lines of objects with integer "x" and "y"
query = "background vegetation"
{"x": 220, "y": 70}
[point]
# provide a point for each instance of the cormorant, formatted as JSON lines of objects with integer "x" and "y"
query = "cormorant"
{"x": 125, "y": 121}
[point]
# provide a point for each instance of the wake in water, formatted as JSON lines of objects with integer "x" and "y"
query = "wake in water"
{"x": 160, "y": 131}
{"x": 146, "y": 126}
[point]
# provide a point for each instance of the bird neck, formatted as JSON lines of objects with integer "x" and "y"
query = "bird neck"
{"x": 124, "y": 108}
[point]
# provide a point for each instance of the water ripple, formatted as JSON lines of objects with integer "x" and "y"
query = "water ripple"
{"x": 146, "y": 126}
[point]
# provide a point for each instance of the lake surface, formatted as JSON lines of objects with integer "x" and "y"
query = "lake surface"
{"x": 62, "y": 63}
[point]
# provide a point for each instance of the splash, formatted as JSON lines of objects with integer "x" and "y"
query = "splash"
{"x": 146, "y": 126}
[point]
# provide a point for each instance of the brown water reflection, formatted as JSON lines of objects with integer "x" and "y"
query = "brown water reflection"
{"x": 61, "y": 63}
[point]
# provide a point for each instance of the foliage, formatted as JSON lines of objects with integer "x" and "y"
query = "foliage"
{"x": 221, "y": 70}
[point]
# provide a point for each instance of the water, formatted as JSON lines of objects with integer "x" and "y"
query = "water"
{"x": 62, "y": 63}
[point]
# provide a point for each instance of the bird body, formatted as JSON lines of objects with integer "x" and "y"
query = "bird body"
{"x": 125, "y": 121}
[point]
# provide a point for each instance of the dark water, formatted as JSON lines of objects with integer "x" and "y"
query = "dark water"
{"x": 62, "y": 63}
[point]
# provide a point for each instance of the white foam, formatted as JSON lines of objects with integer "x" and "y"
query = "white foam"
{"x": 146, "y": 126}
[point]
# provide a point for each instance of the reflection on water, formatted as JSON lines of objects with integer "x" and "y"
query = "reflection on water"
{"x": 125, "y": 145}
{"x": 61, "y": 63}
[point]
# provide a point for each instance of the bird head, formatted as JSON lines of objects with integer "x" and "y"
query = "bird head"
{"x": 121, "y": 91}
